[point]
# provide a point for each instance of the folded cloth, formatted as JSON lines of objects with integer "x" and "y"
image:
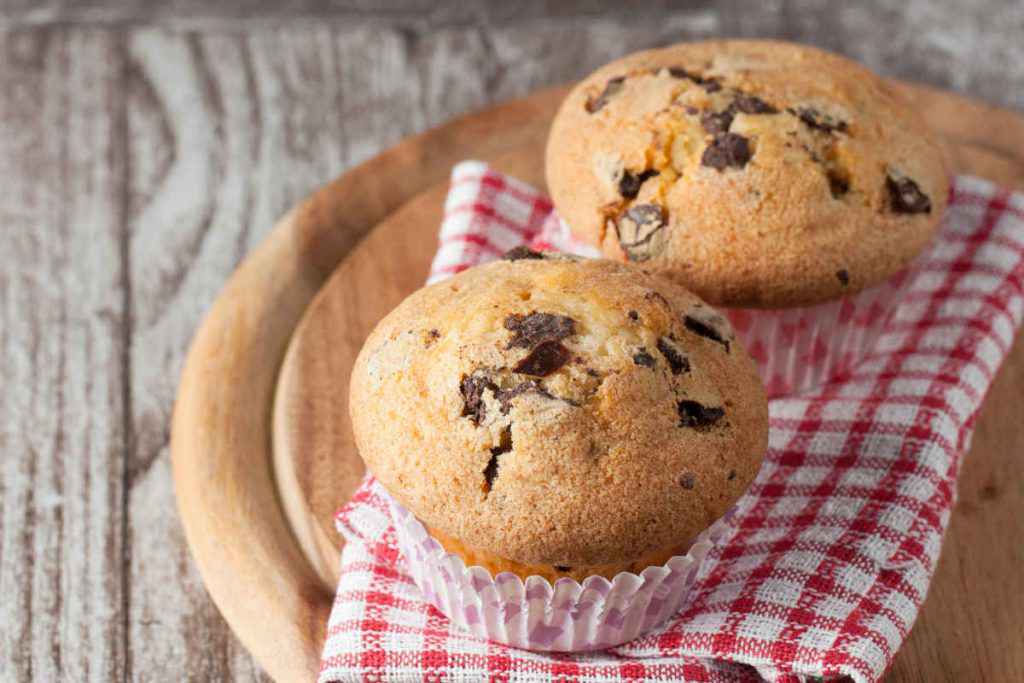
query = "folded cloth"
{"x": 833, "y": 547}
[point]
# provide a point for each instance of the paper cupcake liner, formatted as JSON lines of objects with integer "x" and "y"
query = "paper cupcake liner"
{"x": 533, "y": 614}
{"x": 798, "y": 349}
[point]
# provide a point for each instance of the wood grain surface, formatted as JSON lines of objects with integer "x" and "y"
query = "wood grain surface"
{"x": 973, "y": 47}
{"x": 139, "y": 163}
{"x": 62, "y": 488}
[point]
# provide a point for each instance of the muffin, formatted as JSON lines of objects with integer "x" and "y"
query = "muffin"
{"x": 758, "y": 174}
{"x": 559, "y": 419}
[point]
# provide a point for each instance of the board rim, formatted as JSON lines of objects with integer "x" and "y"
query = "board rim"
{"x": 308, "y": 239}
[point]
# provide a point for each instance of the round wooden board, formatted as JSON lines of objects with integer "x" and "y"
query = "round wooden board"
{"x": 259, "y": 519}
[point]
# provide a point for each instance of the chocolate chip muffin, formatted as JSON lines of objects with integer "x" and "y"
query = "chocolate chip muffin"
{"x": 559, "y": 417}
{"x": 756, "y": 173}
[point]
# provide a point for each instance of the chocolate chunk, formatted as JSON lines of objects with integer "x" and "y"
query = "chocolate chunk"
{"x": 633, "y": 315}
{"x": 705, "y": 330}
{"x": 676, "y": 360}
{"x": 725, "y": 151}
{"x": 563, "y": 568}
{"x": 630, "y": 183}
{"x": 520, "y": 253}
{"x": 472, "y": 389}
{"x": 530, "y": 330}
{"x": 709, "y": 84}
{"x": 643, "y": 358}
{"x": 611, "y": 88}
{"x": 906, "y": 197}
{"x": 843, "y": 277}
{"x": 491, "y": 470}
{"x": 817, "y": 120}
{"x": 717, "y": 123}
{"x": 693, "y": 414}
{"x": 680, "y": 72}
{"x": 639, "y": 231}
{"x": 837, "y": 184}
{"x": 547, "y": 357}
{"x": 751, "y": 104}
{"x": 687, "y": 480}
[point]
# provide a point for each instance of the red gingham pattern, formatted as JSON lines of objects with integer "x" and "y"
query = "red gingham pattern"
{"x": 834, "y": 544}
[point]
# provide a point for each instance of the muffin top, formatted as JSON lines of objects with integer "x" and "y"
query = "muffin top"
{"x": 756, "y": 173}
{"x": 559, "y": 411}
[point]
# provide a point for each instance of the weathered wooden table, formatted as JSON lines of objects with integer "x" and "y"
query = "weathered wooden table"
{"x": 143, "y": 154}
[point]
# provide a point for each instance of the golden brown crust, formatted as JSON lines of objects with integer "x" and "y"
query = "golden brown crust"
{"x": 496, "y": 564}
{"x": 612, "y": 449}
{"x": 786, "y": 175}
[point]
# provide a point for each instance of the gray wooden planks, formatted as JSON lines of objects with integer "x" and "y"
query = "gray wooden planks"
{"x": 139, "y": 164}
{"x": 62, "y": 409}
{"x": 970, "y": 47}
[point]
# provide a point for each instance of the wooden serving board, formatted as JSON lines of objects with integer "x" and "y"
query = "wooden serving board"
{"x": 258, "y": 478}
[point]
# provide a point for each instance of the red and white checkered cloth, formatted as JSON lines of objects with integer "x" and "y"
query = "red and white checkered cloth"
{"x": 834, "y": 544}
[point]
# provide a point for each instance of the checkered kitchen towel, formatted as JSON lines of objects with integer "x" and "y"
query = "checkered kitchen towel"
{"x": 836, "y": 541}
